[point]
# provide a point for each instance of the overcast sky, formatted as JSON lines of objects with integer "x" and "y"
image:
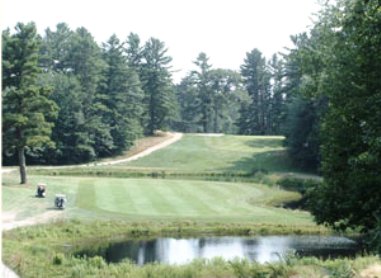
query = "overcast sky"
{"x": 224, "y": 29}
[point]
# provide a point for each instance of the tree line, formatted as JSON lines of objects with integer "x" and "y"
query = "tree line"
{"x": 92, "y": 101}
{"x": 68, "y": 100}
{"x": 334, "y": 114}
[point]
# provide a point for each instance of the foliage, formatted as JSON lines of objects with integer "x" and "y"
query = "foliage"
{"x": 122, "y": 97}
{"x": 210, "y": 99}
{"x": 302, "y": 133}
{"x": 27, "y": 112}
{"x": 298, "y": 184}
{"x": 106, "y": 97}
{"x": 303, "y": 70}
{"x": 351, "y": 152}
{"x": 157, "y": 86}
{"x": 263, "y": 114}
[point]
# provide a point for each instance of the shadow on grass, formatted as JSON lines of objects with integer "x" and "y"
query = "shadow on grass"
{"x": 271, "y": 161}
{"x": 265, "y": 143}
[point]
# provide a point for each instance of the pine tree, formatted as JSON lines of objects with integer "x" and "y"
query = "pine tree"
{"x": 27, "y": 111}
{"x": 123, "y": 96}
{"x": 157, "y": 85}
{"x": 256, "y": 79}
{"x": 204, "y": 91}
{"x": 86, "y": 63}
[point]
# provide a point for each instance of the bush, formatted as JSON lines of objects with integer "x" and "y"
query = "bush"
{"x": 299, "y": 185}
{"x": 58, "y": 259}
{"x": 303, "y": 186}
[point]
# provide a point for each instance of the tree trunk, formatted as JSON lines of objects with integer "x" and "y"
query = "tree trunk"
{"x": 22, "y": 165}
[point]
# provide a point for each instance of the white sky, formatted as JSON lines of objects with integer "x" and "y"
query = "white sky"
{"x": 224, "y": 29}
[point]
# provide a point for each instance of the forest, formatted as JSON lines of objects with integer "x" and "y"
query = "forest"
{"x": 68, "y": 100}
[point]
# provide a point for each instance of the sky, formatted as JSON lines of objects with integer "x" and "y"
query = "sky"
{"x": 224, "y": 29}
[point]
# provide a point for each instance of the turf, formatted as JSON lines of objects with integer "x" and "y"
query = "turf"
{"x": 160, "y": 199}
{"x": 179, "y": 198}
{"x": 227, "y": 153}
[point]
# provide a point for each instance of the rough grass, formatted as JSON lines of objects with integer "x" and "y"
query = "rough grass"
{"x": 46, "y": 251}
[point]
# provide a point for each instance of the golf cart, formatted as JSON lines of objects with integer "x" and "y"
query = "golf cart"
{"x": 60, "y": 201}
{"x": 41, "y": 190}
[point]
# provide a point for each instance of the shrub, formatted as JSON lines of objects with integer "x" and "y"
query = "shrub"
{"x": 299, "y": 185}
{"x": 58, "y": 259}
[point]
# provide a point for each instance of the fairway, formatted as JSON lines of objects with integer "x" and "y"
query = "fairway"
{"x": 104, "y": 197}
{"x": 228, "y": 153}
{"x": 163, "y": 199}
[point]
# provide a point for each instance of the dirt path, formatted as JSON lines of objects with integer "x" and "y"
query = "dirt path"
{"x": 9, "y": 221}
{"x": 9, "y": 218}
{"x": 174, "y": 138}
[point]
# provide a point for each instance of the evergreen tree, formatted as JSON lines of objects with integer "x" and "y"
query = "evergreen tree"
{"x": 202, "y": 79}
{"x": 157, "y": 86}
{"x": 305, "y": 105}
{"x": 72, "y": 141}
{"x": 227, "y": 96}
{"x": 189, "y": 105}
{"x": 276, "y": 112}
{"x": 210, "y": 98}
{"x": 123, "y": 96}
{"x": 54, "y": 52}
{"x": 27, "y": 111}
{"x": 256, "y": 79}
{"x": 86, "y": 63}
{"x": 134, "y": 52}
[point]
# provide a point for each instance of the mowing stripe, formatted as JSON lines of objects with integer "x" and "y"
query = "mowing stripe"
{"x": 105, "y": 198}
{"x": 86, "y": 197}
{"x": 123, "y": 197}
{"x": 179, "y": 202}
{"x": 160, "y": 205}
{"x": 197, "y": 197}
{"x": 140, "y": 201}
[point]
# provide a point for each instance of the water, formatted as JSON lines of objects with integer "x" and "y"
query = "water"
{"x": 261, "y": 249}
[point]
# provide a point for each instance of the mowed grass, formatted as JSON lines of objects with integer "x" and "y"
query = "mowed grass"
{"x": 160, "y": 199}
{"x": 228, "y": 153}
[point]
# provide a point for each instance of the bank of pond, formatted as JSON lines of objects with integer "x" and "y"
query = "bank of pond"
{"x": 84, "y": 249}
{"x": 261, "y": 249}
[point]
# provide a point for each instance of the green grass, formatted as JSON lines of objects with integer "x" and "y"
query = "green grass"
{"x": 231, "y": 158}
{"x": 46, "y": 251}
{"x": 220, "y": 186}
{"x": 227, "y": 153}
{"x": 133, "y": 199}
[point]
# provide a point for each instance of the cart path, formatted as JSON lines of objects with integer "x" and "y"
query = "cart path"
{"x": 174, "y": 137}
{"x": 9, "y": 221}
{"x": 9, "y": 218}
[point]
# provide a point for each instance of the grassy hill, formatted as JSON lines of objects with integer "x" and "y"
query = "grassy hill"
{"x": 195, "y": 153}
{"x": 200, "y": 156}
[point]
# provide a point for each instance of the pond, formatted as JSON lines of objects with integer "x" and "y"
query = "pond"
{"x": 261, "y": 249}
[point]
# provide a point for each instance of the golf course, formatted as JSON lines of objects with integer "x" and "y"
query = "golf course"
{"x": 187, "y": 193}
{"x": 215, "y": 185}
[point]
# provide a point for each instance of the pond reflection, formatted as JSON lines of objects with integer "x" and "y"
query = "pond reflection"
{"x": 260, "y": 249}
